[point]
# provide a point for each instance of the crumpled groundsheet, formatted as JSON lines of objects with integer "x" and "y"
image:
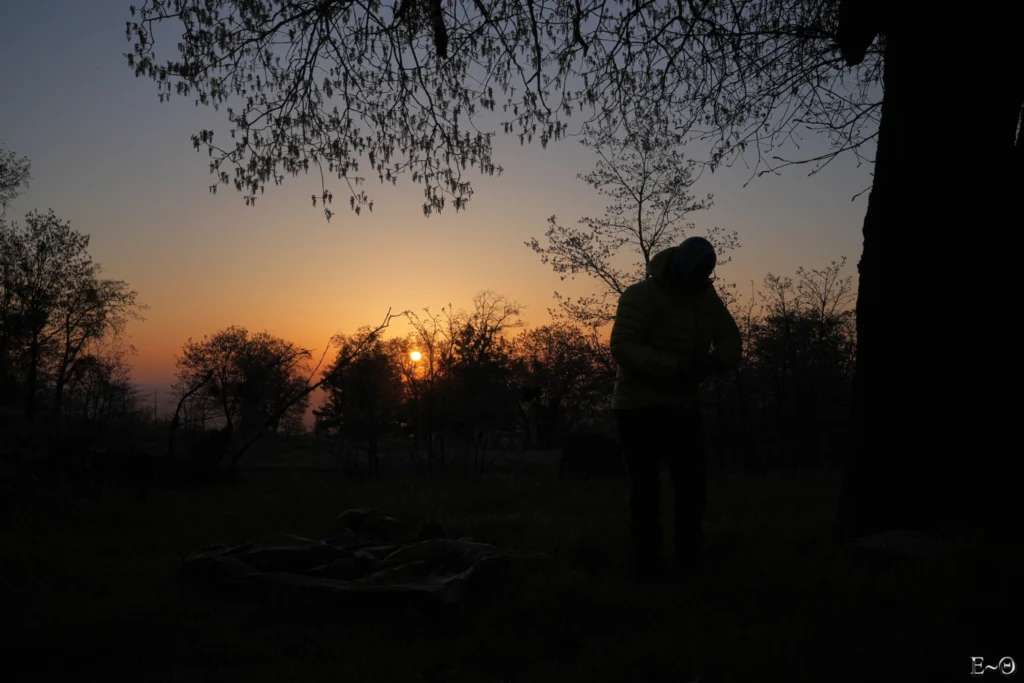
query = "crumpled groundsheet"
{"x": 373, "y": 561}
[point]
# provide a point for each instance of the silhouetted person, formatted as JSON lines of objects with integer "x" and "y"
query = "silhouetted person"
{"x": 671, "y": 331}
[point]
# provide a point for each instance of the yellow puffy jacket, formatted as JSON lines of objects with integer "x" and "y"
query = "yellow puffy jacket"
{"x": 659, "y": 331}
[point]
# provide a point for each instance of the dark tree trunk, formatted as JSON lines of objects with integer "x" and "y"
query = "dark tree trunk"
{"x": 58, "y": 394}
{"x": 32, "y": 380}
{"x": 931, "y": 334}
{"x": 7, "y": 384}
{"x": 60, "y": 382}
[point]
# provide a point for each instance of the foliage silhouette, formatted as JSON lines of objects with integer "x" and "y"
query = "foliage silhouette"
{"x": 648, "y": 181}
{"x": 54, "y": 307}
{"x": 15, "y": 174}
{"x": 324, "y": 85}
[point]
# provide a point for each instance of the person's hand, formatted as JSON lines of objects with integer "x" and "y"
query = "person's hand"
{"x": 700, "y": 370}
{"x": 696, "y": 373}
{"x": 716, "y": 365}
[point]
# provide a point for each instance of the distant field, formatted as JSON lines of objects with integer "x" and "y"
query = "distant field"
{"x": 93, "y": 584}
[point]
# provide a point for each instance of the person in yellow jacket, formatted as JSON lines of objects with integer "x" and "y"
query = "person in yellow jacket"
{"x": 671, "y": 331}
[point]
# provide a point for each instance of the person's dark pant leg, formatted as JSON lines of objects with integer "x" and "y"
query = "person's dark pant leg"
{"x": 643, "y": 438}
{"x": 688, "y": 471}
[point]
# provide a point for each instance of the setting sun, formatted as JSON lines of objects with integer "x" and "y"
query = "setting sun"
{"x": 416, "y": 356}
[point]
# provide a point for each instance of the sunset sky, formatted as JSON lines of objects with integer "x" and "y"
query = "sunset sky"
{"x": 120, "y": 166}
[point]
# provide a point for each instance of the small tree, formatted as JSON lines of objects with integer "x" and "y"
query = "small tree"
{"x": 562, "y": 381}
{"x": 210, "y": 370}
{"x": 54, "y": 303}
{"x": 210, "y": 364}
{"x": 15, "y": 173}
{"x": 364, "y": 393}
{"x": 482, "y": 401}
{"x": 793, "y": 393}
{"x": 100, "y": 388}
{"x": 274, "y": 373}
{"x": 461, "y": 386}
{"x": 293, "y": 424}
{"x": 648, "y": 181}
{"x": 255, "y": 379}
{"x": 88, "y": 309}
{"x": 430, "y": 379}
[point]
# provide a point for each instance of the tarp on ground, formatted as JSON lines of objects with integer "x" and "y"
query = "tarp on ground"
{"x": 373, "y": 560}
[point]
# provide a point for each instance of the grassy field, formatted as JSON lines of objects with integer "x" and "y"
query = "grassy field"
{"x": 93, "y": 584}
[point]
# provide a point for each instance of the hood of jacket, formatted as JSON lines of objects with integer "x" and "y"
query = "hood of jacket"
{"x": 673, "y": 263}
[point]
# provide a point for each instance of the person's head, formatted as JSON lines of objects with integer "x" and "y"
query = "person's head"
{"x": 692, "y": 264}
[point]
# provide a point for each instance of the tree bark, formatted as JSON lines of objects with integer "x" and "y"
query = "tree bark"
{"x": 32, "y": 380}
{"x": 929, "y": 326}
{"x": 60, "y": 381}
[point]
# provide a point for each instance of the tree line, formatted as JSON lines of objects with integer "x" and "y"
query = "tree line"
{"x": 464, "y": 383}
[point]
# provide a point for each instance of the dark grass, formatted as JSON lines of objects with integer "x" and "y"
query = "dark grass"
{"x": 93, "y": 586}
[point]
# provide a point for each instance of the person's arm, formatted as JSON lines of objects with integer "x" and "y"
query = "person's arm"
{"x": 628, "y": 341}
{"x": 727, "y": 343}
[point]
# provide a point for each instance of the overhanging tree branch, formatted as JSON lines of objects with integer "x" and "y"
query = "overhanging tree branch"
{"x": 740, "y": 75}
